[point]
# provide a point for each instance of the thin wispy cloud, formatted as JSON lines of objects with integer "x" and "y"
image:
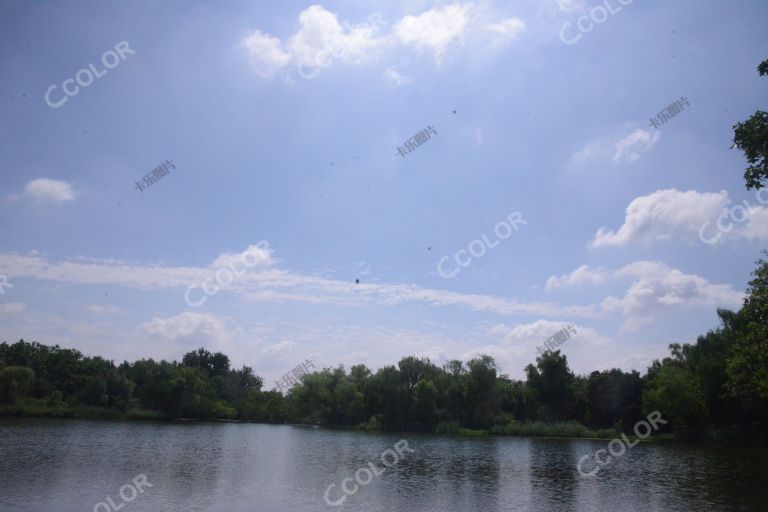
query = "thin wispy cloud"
{"x": 272, "y": 284}
{"x": 622, "y": 150}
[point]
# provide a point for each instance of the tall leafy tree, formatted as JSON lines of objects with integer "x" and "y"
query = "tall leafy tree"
{"x": 551, "y": 382}
{"x": 751, "y": 136}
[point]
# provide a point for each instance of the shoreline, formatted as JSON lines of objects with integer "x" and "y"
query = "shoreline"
{"x": 99, "y": 414}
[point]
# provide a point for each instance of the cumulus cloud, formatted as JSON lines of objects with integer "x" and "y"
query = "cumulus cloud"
{"x": 47, "y": 190}
{"x": 658, "y": 287}
{"x": 655, "y": 286}
{"x": 321, "y": 38}
{"x": 190, "y": 330}
{"x": 583, "y": 274}
{"x": 434, "y": 30}
{"x": 671, "y": 213}
{"x": 756, "y": 227}
{"x": 517, "y": 344}
{"x": 267, "y": 55}
{"x": 321, "y": 32}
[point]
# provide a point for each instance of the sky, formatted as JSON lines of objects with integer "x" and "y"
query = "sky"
{"x": 574, "y": 165}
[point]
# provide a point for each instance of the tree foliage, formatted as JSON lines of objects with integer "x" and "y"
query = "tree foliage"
{"x": 751, "y": 137}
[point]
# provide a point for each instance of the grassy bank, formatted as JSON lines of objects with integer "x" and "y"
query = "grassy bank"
{"x": 570, "y": 429}
{"x": 81, "y": 412}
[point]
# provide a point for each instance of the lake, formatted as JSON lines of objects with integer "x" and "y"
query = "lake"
{"x": 76, "y": 465}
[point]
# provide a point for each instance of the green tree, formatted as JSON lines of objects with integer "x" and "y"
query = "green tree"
{"x": 552, "y": 384}
{"x": 15, "y": 384}
{"x": 747, "y": 367}
{"x": 673, "y": 390}
{"x": 483, "y": 399}
{"x": 425, "y": 405}
{"x": 214, "y": 364}
{"x": 613, "y": 398}
{"x": 751, "y": 137}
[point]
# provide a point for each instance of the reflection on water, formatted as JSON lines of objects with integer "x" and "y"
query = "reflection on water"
{"x": 57, "y": 465}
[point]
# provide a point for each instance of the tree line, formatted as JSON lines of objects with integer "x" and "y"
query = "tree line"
{"x": 716, "y": 387}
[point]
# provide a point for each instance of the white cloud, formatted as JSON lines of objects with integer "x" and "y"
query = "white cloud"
{"x": 435, "y": 354}
{"x": 756, "y": 227}
{"x": 518, "y": 344}
{"x": 671, "y": 213}
{"x": 320, "y": 40}
{"x": 506, "y": 30}
{"x": 570, "y": 5}
{"x": 625, "y": 150}
{"x": 191, "y": 330}
{"x": 266, "y": 53}
{"x": 321, "y": 32}
{"x": 11, "y": 308}
{"x": 588, "y": 152}
{"x": 583, "y": 274}
{"x": 280, "y": 347}
{"x": 47, "y": 190}
{"x": 255, "y": 256}
{"x": 104, "y": 310}
{"x": 272, "y": 284}
{"x": 533, "y": 334}
{"x": 394, "y": 75}
{"x": 634, "y": 145}
{"x": 434, "y": 30}
{"x": 186, "y": 325}
{"x": 656, "y": 287}
{"x": 530, "y": 334}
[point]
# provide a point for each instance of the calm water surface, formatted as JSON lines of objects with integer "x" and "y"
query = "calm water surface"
{"x": 69, "y": 465}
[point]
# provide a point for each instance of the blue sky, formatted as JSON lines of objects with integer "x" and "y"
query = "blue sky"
{"x": 283, "y": 122}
